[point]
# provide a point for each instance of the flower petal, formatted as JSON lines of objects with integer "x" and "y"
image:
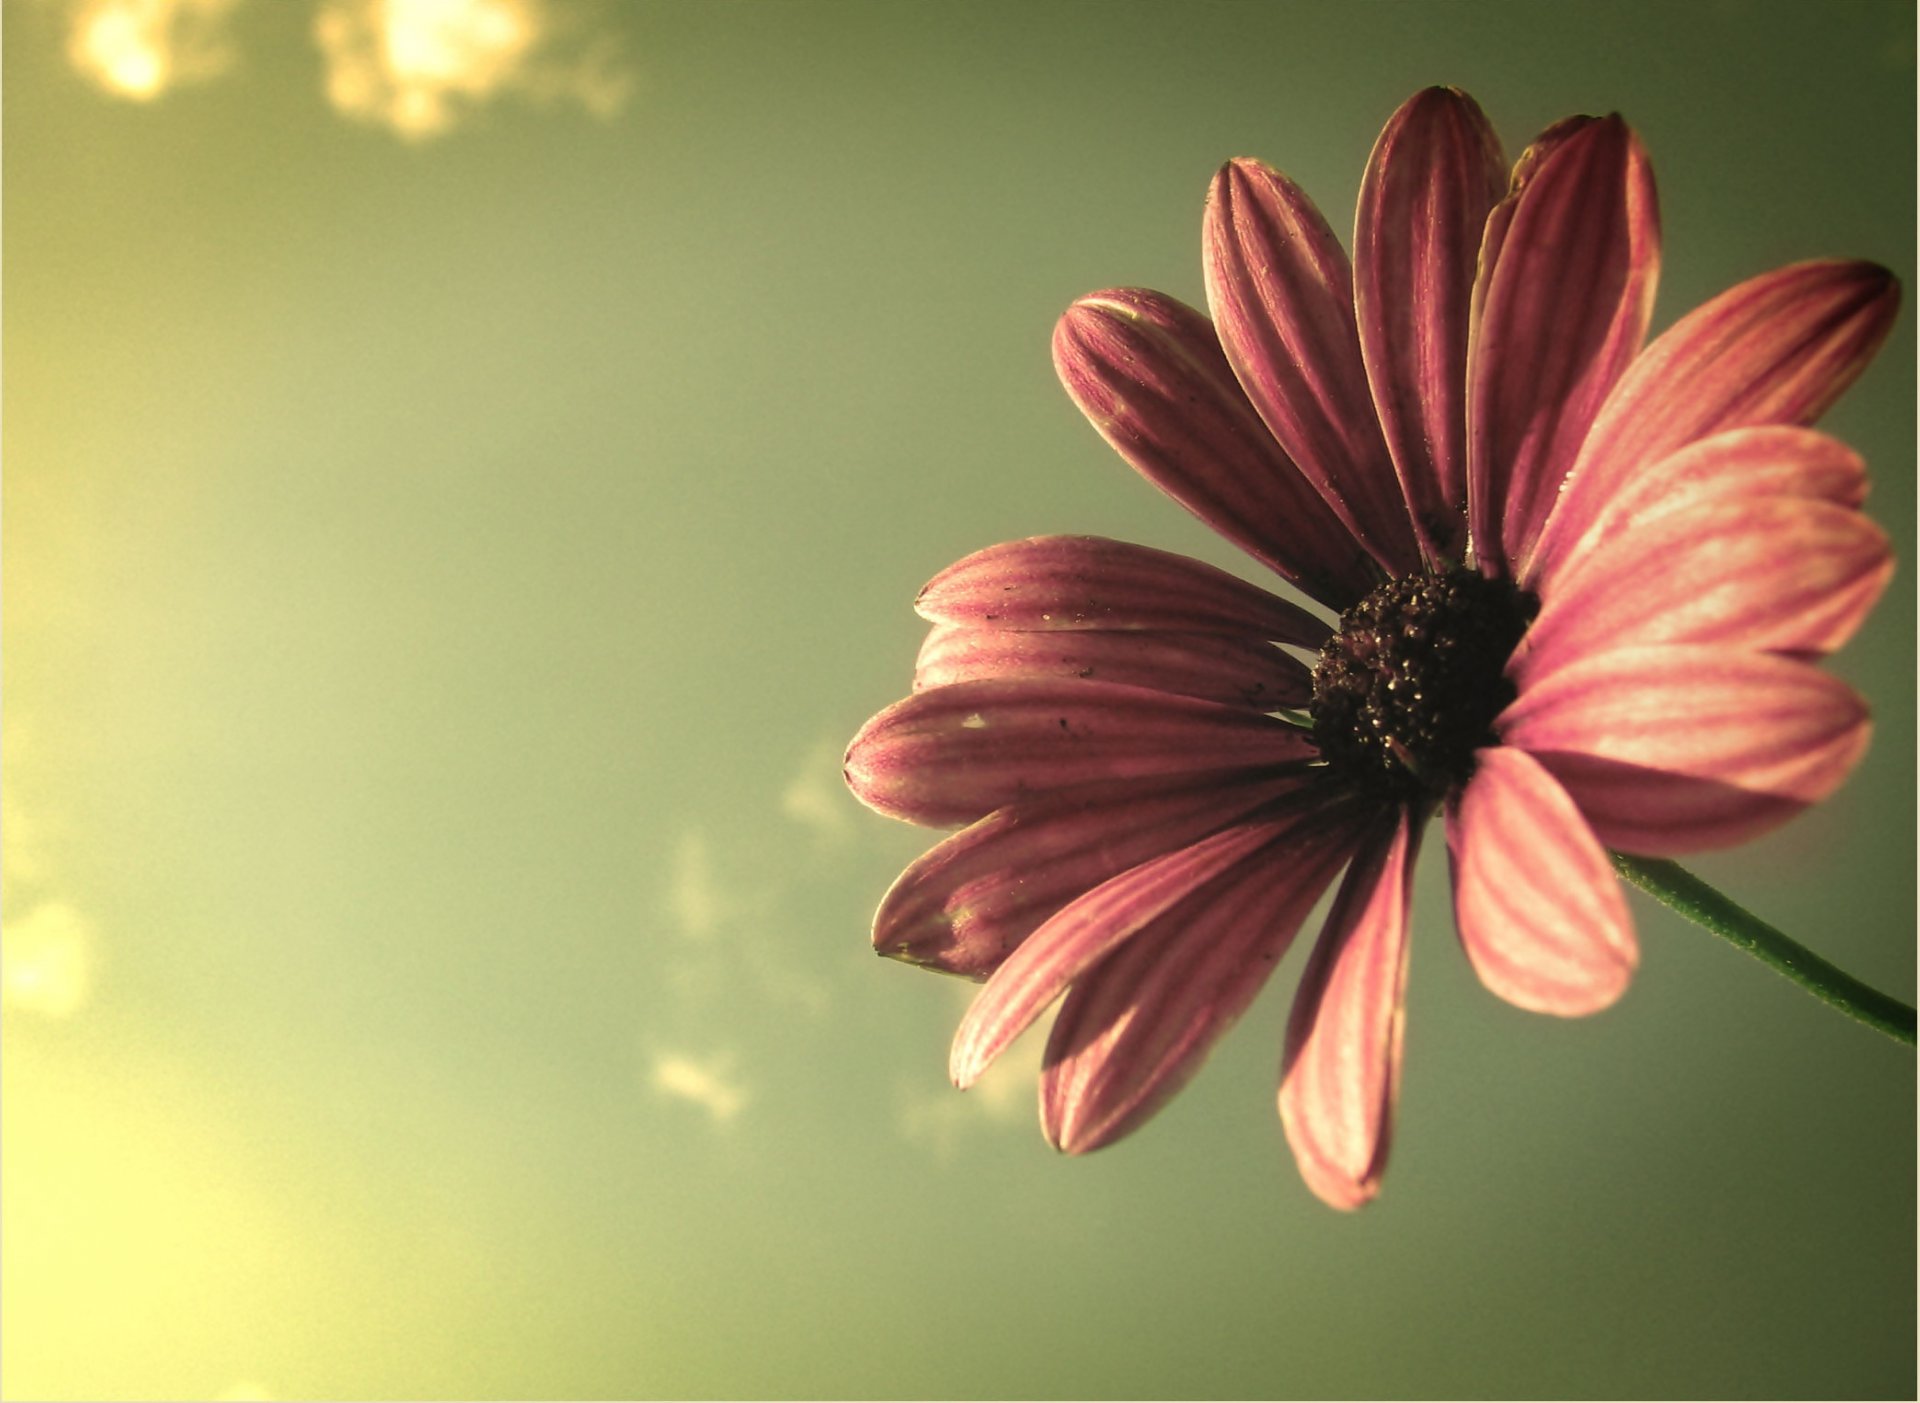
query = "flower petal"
{"x": 1539, "y": 910}
{"x": 1434, "y": 174}
{"x": 1148, "y": 372}
{"x": 1563, "y": 309}
{"x": 1340, "y": 1075}
{"x": 1072, "y": 582}
{"x": 1777, "y": 349}
{"x": 1281, "y": 292}
{"x": 1766, "y": 460}
{"x": 1216, "y": 666}
{"x": 1079, "y": 935}
{"x": 1670, "y": 750}
{"x": 1136, "y": 1029}
{"x": 1777, "y": 573}
{"x": 954, "y": 754}
{"x": 965, "y": 904}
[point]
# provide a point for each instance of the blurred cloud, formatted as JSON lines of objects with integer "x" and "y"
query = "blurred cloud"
{"x": 818, "y": 799}
{"x": 419, "y": 67}
{"x": 694, "y": 897}
{"x": 708, "y": 1083}
{"x": 138, "y": 49}
{"x": 46, "y": 959}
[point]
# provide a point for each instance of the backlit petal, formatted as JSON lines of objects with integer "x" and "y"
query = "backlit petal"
{"x": 1539, "y": 910}
{"x": 1669, "y": 750}
{"x": 954, "y": 754}
{"x": 1340, "y": 1076}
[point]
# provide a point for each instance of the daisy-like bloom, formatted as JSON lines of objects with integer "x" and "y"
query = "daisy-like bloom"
{"x": 1581, "y": 583}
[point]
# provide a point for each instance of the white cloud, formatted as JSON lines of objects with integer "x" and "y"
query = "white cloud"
{"x": 817, "y": 798}
{"x": 140, "y": 48}
{"x": 708, "y": 1083}
{"x": 694, "y": 897}
{"x": 46, "y": 960}
{"x": 420, "y": 67}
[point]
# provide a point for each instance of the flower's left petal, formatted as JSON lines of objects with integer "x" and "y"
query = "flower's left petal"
{"x": 1281, "y": 291}
{"x": 1563, "y": 309}
{"x": 1136, "y": 1029}
{"x": 1670, "y": 750}
{"x": 1340, "y": 1076}
{"x": 1434, "y": 174}
{"x": 1539, "y": 910}
{"x": 1072, "y": 582}
{"x": 1086, "y": 931}
{"x": 1216, "y": 666}
{"x": 954, "y": 754}
{"x": 1777, "y": 573}
{"x": 1149, "y": 374}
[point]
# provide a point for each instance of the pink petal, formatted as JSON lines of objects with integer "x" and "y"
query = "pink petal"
{"x": 1282, "y": 298}
{"x": 1779, "y": 573}
{"x": 1136, "y": 1029}
{"x": 1563, "y": 309}
{"x": 1340, "y": 1076}
{"x": 954, "y": 754}
{"x": 1078, "y": 936}
{"x": 1149, "y": 374}
{"x": 1777, "y": 349}
{"x": 1074, "y": 582}
{"x": 1677, "y": 749}
{"x": 1539, "y": 910}
{"x": 1216, "y": 666}
{"x": 964, "y": 905}
{"x": 1434, "y": 174}
{"x": 1763, "y": 461}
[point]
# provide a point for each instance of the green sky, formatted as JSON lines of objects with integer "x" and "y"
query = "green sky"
{"x": 450, "y": 535}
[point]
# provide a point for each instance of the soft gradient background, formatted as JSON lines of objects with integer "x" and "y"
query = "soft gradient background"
{"x": 453, "y": 524}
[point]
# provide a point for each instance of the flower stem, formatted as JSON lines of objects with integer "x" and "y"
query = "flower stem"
{"x": 1672, "y": 884}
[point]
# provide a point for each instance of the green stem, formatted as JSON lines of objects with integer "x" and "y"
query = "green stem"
{"x": 1672, "y": 884}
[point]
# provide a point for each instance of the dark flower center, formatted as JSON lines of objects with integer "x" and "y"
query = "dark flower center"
{"x": 1408, "y": 688}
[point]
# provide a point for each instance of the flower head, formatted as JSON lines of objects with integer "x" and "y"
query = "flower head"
{"x": 1581, "y": 583}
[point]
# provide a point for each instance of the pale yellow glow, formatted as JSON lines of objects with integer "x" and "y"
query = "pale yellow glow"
{"x": 139, "y": 48}
{"x": 418, "y": 65}
{"x": 708, "y": 1084}
{"x": 46, "y": 960}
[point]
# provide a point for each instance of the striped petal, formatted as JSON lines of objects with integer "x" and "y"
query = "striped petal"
{"x": 963, "y": 906}
{"x": 1539, "y": 910}
{"x": 1137, "y": 1028}
{"x": 1768, "y": 460}
{"x": 1340, "y": 1076}
{"x": 1083, "y": 933}
{"x": 1149, "y": 374}
{"x": 1216, "y": 666}
{"x": 1669, "y": 750}
{"x": 1434, "y": 174}
{"x": 1281, "y": 292}
{"x": 1777, "y": 349}
{"x": 1777, "y": 573}
{"x": 1074, "y": 582}
{"x": 1564, "y": 307}
{"x": 954, "y": 754}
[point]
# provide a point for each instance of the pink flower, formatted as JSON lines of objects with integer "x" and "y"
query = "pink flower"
{"x": 1582, "y": 586}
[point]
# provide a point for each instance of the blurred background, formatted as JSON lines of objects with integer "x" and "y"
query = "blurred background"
{"x": 468, "y": 467}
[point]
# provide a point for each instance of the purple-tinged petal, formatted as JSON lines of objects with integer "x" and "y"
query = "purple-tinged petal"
{"x": 1084, "y": 932}
{"x": 955, "y": 754}
{"x": 1340, "y": 1076}
{"x": 1281, "y": 291}
{"x": 1149, "y": 374}
{"x": 1670, "y": 750}
{"x": 1778, "y": 573}
{"x": 1540, "y": 913}
{"x": 1136, "y": 1028}
{"x": 1777, "y": 349}
{"x": 1216, "y": 666}
{"x": 1764, "y": 461}
{"x": 1434, "y": 175}
{"x": 1075, "y": 582}
{"x": 964, "y": 905}
{"x": 1563, "y": 309}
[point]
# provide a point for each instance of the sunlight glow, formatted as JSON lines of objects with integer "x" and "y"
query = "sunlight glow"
{"x": 46, "y": 960}
{"x": 138, "y": 49}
